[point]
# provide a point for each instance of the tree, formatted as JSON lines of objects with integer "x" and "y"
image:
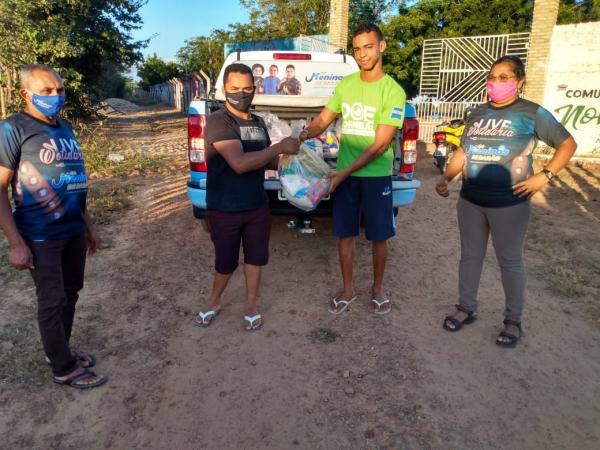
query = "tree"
{"x": 269, "y": 19}
{"x": 428, "y": 19}
{"x": 203, "y": 53}
{"x": 367, "y": 11}
{"x": 86, "y": 41}
{"x": 576, "y": 11}
{"x": 405, "y": 31}
{"x": 112, "y": 83}
{"x": 154, "y": 71}
{"x": 272, "y": 19}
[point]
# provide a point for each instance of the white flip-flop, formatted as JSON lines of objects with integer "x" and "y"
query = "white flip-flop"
{"x": 379, "y": 304}
{"x": 336, "y": 302}
{"x": 251, "y": 320}
{"x": 201, "y": 317}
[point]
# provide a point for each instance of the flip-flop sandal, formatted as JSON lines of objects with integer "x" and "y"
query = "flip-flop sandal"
{"x": 458, "y": 324}
{"x": 201, "y": 317}
{"x": 336, "y": 302}
{"x": 380, "y": 304}
{"x": 512, "y": 339}
{"x": 251, "y": 320}
{"x": 80, "y": 357}
{"x": 86, "y": 357}
{"x": 72, "y": 381}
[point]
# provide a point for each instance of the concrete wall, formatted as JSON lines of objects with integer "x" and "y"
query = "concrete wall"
{"x": 178, "y": 93}
{"x": 572, "y": 89}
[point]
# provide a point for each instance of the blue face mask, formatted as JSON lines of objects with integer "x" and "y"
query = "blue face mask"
{"x": 48, "y": 105}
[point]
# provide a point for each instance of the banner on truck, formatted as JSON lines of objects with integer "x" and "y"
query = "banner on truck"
{"x": 299, "y": 78}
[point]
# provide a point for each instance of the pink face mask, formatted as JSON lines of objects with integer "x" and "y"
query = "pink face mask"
{"x": 500, "y": 92}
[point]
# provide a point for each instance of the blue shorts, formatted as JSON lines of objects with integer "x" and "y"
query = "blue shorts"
{"x": 372, "y": 196}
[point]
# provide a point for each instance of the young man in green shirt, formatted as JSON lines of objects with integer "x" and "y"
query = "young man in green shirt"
{"x": 372, "y": 106}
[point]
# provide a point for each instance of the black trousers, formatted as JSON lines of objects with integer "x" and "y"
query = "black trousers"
{"x": 58, "y": 277}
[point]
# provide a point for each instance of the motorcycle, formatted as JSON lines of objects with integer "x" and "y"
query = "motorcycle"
{"x": 446, "y": 138}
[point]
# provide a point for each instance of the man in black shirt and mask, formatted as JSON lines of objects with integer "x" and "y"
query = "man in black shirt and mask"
{"x": 238, "y": 149}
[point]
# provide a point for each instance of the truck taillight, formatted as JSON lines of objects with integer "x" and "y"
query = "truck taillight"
{"x": 196, "y": 155}
{"x": 410, "y": 134}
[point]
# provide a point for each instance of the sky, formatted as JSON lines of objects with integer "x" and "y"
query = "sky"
{"x": 174, "y": 21}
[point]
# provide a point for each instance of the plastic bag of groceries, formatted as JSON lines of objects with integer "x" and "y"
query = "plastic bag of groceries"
{"x": 278, "y": 129}
{"x": 304, "y": 176}
{"x": 330, "y": 141}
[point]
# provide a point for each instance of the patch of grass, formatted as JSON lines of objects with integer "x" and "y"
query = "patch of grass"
{"x": 21, "y": 355}
{"x": 323, "y": 335}
{"x": 97, "y": 146}
{"x": 571, "y": 279}
{"x": 105, "y": 200}
{"x": 7, "y": 273}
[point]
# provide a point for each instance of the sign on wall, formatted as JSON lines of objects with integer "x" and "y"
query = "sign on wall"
{"x": 573, "y": 83}
{"x": 577, "y": 105}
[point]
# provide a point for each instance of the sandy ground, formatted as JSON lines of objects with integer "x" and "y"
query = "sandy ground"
{"x": 310, "y": 380}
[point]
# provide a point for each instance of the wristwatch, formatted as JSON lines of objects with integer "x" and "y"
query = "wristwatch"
{"x": 548, "y": 173}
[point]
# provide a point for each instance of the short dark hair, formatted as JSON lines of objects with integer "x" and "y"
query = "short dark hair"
{"x": 274, "y": 65}
{"x": 254, "y": 66}
{"x": 368, "y": 28}
{"x": 517, "y": 64}
{"x": 290, "y": 66}
{"x": 237, "y": 68}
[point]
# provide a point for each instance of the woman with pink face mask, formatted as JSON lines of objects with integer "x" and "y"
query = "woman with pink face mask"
{"x": 495, "y": 159}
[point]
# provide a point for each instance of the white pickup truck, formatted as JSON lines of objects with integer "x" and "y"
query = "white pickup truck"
{"x": 316, "y": 76}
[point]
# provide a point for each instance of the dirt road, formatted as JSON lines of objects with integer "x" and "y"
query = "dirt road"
{"x": 310, "y": 380}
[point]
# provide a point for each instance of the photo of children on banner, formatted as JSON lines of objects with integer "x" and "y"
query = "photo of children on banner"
{"x": 290, "y": 85}
{"x": 257, "y": 72}
{"x": 271, "y": 82}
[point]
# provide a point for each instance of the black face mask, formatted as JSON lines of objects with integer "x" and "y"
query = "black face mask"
{"x": 240, "y": 100}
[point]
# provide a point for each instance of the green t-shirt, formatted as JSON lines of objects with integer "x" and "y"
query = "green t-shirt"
{"x": 364, "y": 106}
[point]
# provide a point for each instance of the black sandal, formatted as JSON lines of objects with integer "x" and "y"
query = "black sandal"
{"x": 458, "y": 324}
{"x": 512, "y": 339}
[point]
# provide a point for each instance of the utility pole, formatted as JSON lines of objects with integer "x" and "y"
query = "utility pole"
{"x": 338, "y": 24}
{"x": 545, "y": 14}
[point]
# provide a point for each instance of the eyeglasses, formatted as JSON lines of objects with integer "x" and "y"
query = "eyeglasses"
{"x": 501, "y": 78}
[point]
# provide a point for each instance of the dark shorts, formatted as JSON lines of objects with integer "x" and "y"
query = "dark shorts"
{"x": 229, "y": 229}
{"x": 373, "y": 197}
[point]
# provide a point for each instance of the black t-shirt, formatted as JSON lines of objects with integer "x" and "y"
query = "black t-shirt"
{"x": 49, "y": 183}
{"x": 498, "y": 145}
{"x": 225, "y": 189}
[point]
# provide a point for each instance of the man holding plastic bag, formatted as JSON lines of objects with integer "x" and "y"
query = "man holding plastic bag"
{"x": 372, "y": 106}
{"x": 304, "y": 177}
{"x": 238, "y": 149}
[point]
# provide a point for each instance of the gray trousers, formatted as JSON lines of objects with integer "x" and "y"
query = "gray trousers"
{"x": 508, "y": 227}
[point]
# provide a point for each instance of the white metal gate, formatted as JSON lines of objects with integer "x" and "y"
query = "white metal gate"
{"x": 453, "y": 72}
